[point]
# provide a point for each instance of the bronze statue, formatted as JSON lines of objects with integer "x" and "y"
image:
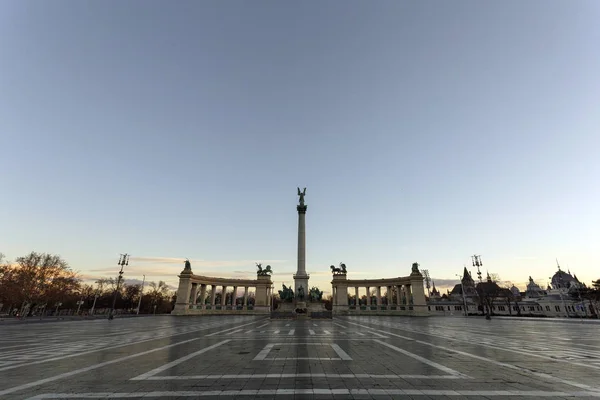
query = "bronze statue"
{"x": 264, "y": 272}
{"x": 415, "y": 268}
{"x": 302, "y": 194}
{"x": 300, "y": 293}
{"x": 188, "y": 265}
{"x": 287, "y": 294}
{"x": 314, "y": 294}
{"x": 339, "y": 271}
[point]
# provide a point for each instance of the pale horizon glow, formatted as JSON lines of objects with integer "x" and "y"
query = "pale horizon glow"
{"x": 424, "y": 132}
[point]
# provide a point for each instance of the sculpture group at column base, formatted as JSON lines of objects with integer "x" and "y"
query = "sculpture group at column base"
{"x": 301, "y": 309}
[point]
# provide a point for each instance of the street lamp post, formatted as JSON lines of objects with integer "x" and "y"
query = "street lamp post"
{"x": 141, "y": 294}
{"x": 462, "y": 289}
{"x": 123, "y": 260}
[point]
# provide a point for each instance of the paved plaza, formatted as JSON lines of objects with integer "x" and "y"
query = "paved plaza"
{"x": 171, "y": 357}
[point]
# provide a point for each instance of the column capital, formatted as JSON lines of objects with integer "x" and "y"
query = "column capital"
{"x": 301, "y": 209}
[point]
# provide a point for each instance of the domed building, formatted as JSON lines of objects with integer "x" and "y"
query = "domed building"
{"x": 563, "y": 280}
{"x": 534, "y": 290}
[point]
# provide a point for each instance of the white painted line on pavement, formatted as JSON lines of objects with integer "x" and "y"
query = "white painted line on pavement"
{"x": 378, "y": 334}
{"x": 306, "y": 375}
{"x": 90, "y": 368}
{"x": 311, "y": 331}
{"x": 287, "y": 324}
{"x": 258, "y": 327}
{"x": 343, "y": 355}
{"x": 111, "y": 347}
{"x": 303, "y": 358}
{"x": 421, "y": 359}
{"x": 238, "y": 330}
{"x": 340, "y": 325}
{"x": 230, "y": 329}
{"x": 276, "y": 332}
{"x": 100, "y": 365}
{"x": 177, "y": 362}
{"x": 326, "y": 332}
{"x": 499, "y": 363}
{"x": 275, "y": 392}
{"x": 264, "y": 352}
{"x": 291, "y": 331}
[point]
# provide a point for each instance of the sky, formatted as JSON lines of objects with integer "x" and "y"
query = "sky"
{"x": 423, "y": 131}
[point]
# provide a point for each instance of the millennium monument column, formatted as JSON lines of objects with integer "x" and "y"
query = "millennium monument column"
{"x": 301, "y": 277}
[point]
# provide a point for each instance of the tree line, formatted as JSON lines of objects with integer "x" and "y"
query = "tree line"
{"x": 44, "y": 284}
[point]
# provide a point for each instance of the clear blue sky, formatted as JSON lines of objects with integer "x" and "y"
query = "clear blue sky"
{"x": 424, "y": 131}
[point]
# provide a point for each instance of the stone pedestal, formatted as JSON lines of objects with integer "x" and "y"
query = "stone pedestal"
{"x": 418, "y": 293}
{"x": 340, "y": 293}
{"x": 182, "y": 304}
{"x": 261, "y": 298}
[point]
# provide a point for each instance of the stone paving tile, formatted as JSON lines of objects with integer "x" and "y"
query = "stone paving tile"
{"x": 368, "y": 357}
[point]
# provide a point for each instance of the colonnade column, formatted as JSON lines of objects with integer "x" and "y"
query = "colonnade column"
{"x": 399, "y": 295}
{"x": 193, "y": 294}
{"x": 234, "y": 297}
{"x": 245, "y": 301}
{"x": 368, "y": 296}
{"x": 223, "y": 295}
{"x": 203, "y": 295}
{"x": 213, "y": 295}
{"x": 378, "y": 294}
{"x": 356, "y": 294}
{"x": 389, "y": 297}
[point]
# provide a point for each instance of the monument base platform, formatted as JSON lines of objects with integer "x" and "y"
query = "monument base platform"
{"x": 301, "y": 310}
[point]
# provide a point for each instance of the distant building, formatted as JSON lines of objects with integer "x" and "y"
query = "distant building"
{"x": 558, "y": 300}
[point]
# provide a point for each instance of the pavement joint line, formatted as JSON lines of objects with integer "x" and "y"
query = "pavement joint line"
{"x": 107, "y": 348}
{"x": 96, "y": 366}
{"x": 499, "y": 363}
{"x": 177, "y": 362}
{"x": 316, "y": 391}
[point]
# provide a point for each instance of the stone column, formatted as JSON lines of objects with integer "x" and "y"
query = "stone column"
{"x": 389, "y": 297}
{"x": 213, "y": 295}
{"x": 194, "y": 294}
{"x": 245, "y": 303}
{"x": 182, "y": 304}
{"x": 234, "y": 297}
{"x": 356, "y": 295}
{"x": 399, "y": 295}
{"x": 223, "y": 296}
{"x": 203, "y": 295}
{"x": 378, "y": 294}
{"x": 301, "y": 277}
{"x": 368, "y": 296}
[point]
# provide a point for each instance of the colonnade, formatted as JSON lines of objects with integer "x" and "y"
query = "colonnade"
{"x": 410, "y": 294}
{"x": 195, "y": 290}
